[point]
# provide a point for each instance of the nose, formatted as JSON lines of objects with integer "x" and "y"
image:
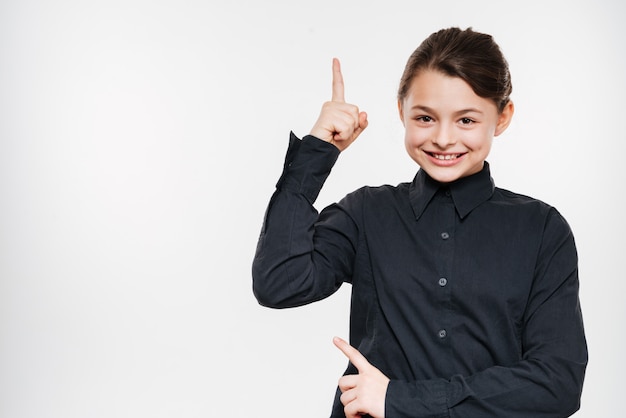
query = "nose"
{"x": 444, "y": 136}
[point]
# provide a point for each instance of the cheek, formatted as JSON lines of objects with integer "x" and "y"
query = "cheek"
{"x": 414, "y": 137}
{"x": 479, "y": 139}
{"x": 409, "y": 142}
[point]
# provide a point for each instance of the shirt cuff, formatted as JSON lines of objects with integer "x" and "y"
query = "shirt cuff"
{"x": 307, "y": 165}
{"x": 425, "y": 398}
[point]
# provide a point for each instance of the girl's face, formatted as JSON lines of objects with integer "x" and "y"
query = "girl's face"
{"x": 448, "y": 128}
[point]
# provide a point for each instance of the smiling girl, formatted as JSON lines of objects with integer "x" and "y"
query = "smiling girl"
{"x": 464, "y": 295}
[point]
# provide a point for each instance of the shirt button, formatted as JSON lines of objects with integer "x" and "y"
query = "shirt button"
{"x": 443, "y": 281}
{"x": 448, "y": 193}
{"x": 442, "y": 333}
{"x": 445, "y": 235}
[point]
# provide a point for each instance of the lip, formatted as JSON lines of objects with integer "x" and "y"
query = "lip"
{"x": 445, "y": 159}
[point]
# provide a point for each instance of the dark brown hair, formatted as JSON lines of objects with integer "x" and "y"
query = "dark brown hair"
{"x": 471, "y": 56}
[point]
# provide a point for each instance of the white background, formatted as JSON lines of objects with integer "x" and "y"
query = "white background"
{"x": 140, "y": 142}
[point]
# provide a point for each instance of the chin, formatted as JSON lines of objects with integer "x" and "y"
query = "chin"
{"x": 448, "y": 179}
{"x": 443, "y": 177}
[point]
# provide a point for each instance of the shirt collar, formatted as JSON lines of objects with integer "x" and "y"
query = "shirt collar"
{"x": 467, "y": 192}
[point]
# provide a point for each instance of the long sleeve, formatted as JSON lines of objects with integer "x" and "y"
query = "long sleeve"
{"x": 298, "y": 260}
{"x": 547, "y": 380}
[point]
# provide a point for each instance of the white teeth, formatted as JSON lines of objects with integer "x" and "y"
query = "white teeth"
{"x": 445, "y": 157}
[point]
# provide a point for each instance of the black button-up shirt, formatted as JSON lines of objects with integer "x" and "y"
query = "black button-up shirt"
{"x": 465, "y": 295}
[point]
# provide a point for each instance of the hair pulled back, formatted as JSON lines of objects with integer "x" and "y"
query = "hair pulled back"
{"x": 472, "y": 56}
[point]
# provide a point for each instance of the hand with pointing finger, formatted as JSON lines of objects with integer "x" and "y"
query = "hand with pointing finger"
{"x": 339, "y": 123}
{"x": 362, "y": 393}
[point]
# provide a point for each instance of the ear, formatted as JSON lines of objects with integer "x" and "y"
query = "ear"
{"x": 401, "y": 112}
{"x": 504, "y": 119}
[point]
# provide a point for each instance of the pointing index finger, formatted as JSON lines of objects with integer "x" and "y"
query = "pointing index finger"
{"x": 355, "y": 357}
{"x": 338, "y": 88}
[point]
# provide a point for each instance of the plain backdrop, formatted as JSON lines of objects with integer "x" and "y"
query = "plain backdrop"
{"x": 140, "y": 142}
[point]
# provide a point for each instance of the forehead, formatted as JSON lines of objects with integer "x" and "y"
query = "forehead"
{"x": 435, "y": 90}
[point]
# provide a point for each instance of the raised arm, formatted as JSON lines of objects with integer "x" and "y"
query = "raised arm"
{"x": 300, "y": 257}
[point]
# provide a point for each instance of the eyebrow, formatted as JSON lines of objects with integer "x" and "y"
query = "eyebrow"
{"x": 458, "y": 112}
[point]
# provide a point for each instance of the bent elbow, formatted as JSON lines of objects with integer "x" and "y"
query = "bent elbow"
{"x": 265, "y": 297}
{"x": 270, "y": 288}
{"x": 571, "y": 397}
{"x": 568, "y": 402}
{"x": 274, "y": 288}
{"x": 564, "y": 391}
{"x": 273, "y": 295}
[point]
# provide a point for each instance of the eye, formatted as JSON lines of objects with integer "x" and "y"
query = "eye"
{"x": 466, "y": 121}
{"x": 425, "y": 119}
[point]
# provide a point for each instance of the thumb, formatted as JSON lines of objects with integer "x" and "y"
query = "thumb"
{"x": 363, "y": 123}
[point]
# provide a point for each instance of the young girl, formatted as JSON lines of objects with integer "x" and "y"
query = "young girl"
{"x": 464, "y": 295}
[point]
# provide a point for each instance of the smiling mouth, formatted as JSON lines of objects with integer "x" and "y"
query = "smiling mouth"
{"x": 445, "y": 157}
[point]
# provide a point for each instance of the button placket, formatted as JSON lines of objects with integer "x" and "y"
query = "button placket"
{"x": 445, "y": 264}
